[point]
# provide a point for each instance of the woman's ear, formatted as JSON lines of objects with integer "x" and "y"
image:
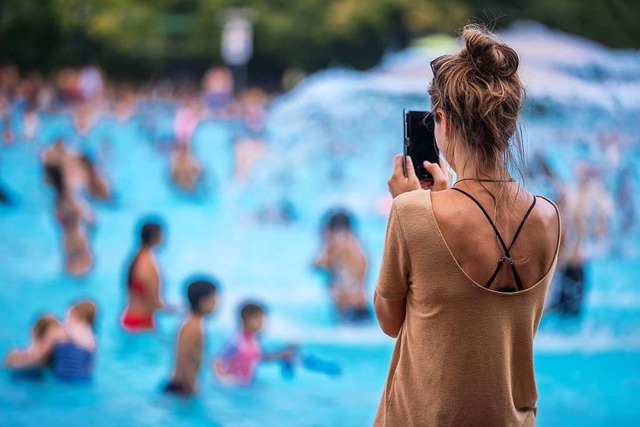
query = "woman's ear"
{"x": 443, "y": 118}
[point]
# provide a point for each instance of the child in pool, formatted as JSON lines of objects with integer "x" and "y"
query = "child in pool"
{"x": 190, "y": 345}
{"x": 79, "y": 323}
{"x": 67, "y": 348}
{"x": 237, "y": 361}
{"x": 345, "y": 260}
{"x": 45, "y": 331}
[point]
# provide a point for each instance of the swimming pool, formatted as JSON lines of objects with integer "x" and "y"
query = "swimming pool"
{"x": 331, "y": 142}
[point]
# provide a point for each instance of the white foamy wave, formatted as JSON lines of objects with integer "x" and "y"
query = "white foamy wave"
{"x": 618, "y": 300}
{"x": 586, "y": 342}
{"x": 557, "y": 68}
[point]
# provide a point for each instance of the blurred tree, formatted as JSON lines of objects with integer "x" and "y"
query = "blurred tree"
{"x": 28, "y": 30}
{"x": 611, "y": 22}
{"x": 141, "y": 37}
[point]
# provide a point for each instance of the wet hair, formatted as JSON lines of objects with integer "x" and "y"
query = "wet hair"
{"x": 250, "y": 309}
{"x": 150, "y": 233}
{"x": 481, "y": 93}
{"x": 87, "y": 160}
{"x": 42, "y": 326}
{"x": 198, "y": 290}
{"x": 86, "y": 310}
{"x": 339, "y": 220}
{"x": 53, "y": 175}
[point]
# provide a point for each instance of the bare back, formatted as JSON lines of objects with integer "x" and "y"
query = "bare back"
{"x": 144, "y": 284}
{"x": 189, "y": 351}
{"x": 476, "y": 247}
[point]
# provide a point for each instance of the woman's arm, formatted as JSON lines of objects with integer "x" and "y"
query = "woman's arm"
{"x": 390, "y": 314}
{"x": 156, "y": 299}
{"x": 390, "y": 297}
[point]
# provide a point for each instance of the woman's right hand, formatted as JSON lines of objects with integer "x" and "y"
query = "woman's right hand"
{"x": 398, "y": 183}
{"x": 440, "y": 173}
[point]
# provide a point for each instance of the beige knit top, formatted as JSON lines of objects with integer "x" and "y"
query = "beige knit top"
{"x": 464, "y": 354}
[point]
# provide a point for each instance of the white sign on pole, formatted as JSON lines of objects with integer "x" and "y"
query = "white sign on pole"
{"x": 237, "y": 41}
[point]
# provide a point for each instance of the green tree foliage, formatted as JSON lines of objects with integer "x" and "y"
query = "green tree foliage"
{"x": 140, "y": 37}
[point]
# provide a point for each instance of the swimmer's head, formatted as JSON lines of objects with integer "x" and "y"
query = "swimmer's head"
{"x": 84, "y": 311}
{"x": 252, "y": 315}
{"x": 43, "y": 325}
{"x": 151, "y": 234}
{"x": 202, "y": 295}
{"x": 339, "y": 221}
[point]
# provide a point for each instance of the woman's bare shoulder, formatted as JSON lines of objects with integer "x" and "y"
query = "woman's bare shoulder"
{"x": 546, "y": 211}
{"x": 446, "y": 204}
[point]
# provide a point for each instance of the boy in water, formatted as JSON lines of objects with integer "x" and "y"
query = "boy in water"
{"x": 237, "y": 361}
{"x": 190, "y": 346}
{"x": 343, "y": 257}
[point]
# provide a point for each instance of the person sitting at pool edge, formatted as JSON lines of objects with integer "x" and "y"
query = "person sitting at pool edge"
{"x": 143, "y": 283}
{"x": 67, "y": 348}
{"x": 239, "y": 358}
{"x": 190, "y": 345}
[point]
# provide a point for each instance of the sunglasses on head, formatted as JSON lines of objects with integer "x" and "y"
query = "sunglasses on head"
{"x": 434, "y": 65}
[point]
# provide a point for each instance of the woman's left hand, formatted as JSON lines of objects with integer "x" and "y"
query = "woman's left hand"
{"x": 398, "y": 183}
{"x": 440, "y": 173}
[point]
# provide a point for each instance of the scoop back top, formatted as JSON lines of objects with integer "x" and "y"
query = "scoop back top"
{"x": 464, "y": 354}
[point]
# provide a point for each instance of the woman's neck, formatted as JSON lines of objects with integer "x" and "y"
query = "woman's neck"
{"x": 146, "y": 250}
{"x": 469, "y": 170}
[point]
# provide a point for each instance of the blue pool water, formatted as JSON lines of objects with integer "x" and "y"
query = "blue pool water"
{"x": 331, "y": 144}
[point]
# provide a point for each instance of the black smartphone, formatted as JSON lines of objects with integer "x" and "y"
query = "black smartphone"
{"x": 419, "y": 142}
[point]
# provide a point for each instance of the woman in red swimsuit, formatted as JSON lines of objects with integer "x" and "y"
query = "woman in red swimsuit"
{"x": 143, "y": 283}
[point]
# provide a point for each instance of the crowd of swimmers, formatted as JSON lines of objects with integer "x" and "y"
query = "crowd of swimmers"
{"x": 87, "y": 96}
{"x": 66, "y": 347}
{"x": 78, "y": 178}
{"x": 77, "y": 173}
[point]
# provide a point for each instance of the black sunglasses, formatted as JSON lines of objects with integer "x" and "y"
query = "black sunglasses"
{"x": 434, "y": 63}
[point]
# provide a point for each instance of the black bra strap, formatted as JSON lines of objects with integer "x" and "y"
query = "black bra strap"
{"x": 516, "y": 276}
{"x": 495, "y": 229}
{"x": 526, "y": 215}
{"x": 507, "y": 255}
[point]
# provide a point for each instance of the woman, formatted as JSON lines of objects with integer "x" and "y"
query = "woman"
{"x": 143, "y": 283}
{"x": 71, "y": 215}
{"x": 466, "y": 268}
